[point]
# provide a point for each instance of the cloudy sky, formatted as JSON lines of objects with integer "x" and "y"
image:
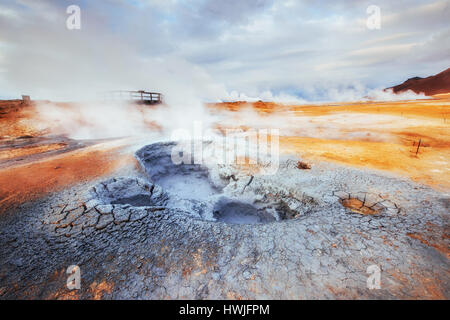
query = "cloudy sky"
{"x": 219, "y": 49}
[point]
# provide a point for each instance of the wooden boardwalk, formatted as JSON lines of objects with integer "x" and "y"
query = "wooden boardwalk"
{"x": 139, "y": 97}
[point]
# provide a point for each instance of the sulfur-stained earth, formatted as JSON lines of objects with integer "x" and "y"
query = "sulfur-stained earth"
{"x": 131, "y": 239}
{"x": 306, "y": 232}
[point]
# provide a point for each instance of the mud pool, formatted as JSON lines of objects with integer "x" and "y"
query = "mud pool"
{"x": 202, "y": 232}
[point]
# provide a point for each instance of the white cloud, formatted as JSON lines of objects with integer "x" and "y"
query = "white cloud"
{"x": 291, "y": 49}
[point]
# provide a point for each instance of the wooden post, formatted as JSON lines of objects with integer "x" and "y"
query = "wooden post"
{"x": 26, "y": 99}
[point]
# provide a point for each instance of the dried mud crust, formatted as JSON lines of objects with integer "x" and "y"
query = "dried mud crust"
{"x": 367, "y": 203}
{"x": 27, "y": 149}
{"x": 130, "y": 243}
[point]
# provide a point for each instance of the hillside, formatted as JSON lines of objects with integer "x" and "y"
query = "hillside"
{"x": 437, "y": 84}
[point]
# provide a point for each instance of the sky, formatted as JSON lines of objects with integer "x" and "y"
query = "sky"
{"x": 219, "y": 50}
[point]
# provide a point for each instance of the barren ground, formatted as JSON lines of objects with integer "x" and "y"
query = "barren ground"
{"x": 378, "y": 135}
{"x": 359, "y": 153}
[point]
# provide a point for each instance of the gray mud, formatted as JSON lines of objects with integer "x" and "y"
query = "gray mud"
{"x": 194, "y": 232}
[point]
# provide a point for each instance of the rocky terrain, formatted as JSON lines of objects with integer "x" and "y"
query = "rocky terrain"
{"x": 306, "y": 234}
{"x": 360, "y": 187}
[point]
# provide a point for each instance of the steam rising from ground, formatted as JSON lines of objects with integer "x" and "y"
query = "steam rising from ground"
{"x": 100, "y": 120}
{"x": 354, "y": 94}
{"x": 91, "y": 120}
{"x": 389, "y": 95}
{"x": 96, "y": 120}
{"x": 348, "y": 126}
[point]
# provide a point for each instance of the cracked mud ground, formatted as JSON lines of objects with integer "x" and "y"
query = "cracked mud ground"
{"x": 132, "y": 238}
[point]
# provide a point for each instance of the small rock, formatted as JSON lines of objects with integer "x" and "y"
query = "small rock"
{"x": 91, "y": 204}
{"x": 121, "y": 215}
{"x": 104, "y": 221}
{"x": 104, "y": 208}
{"x": 138, "y": 214}
{"x": 303, "y": 165}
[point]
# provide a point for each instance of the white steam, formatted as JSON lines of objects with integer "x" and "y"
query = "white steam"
{"x": 329, "y": 95}
{"x": 389, "y": 95}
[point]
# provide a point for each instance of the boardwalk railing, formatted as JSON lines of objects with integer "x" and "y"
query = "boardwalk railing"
{"x": 141, "y": 96}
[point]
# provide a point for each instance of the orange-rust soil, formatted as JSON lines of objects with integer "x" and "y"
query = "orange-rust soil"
{"x": 377, "y": 135}
{"x": 34, "y": 162}
{"x": 12, "y": 153}
{"x": 14, "y": 117}
{"x": 32, "y": 180}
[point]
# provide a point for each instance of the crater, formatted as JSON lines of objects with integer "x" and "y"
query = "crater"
{"x": 129, "y": 191}
{"x": 366, "y": 203}
{"x": 238, "y": 212}
{"x": 189, "y": 188}
{"x": 139, "y": 200}
{"x": 358, "y": 206}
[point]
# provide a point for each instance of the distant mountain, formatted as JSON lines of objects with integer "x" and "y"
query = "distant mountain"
{"x": 439, "y": 83}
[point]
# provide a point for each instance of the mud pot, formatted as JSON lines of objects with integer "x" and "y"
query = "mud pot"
{"x": 213, "y": 231}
